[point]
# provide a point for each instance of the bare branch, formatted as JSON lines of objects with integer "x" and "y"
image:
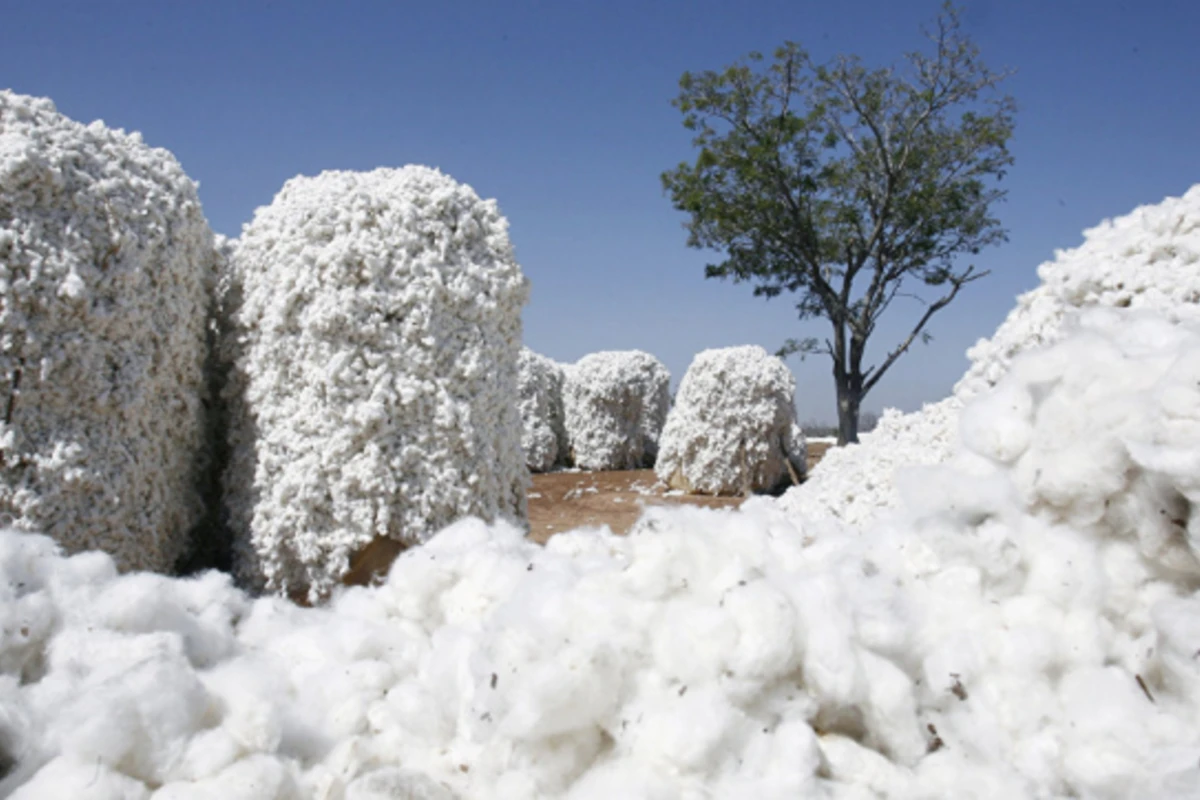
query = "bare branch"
{"x": 871, "y": 378}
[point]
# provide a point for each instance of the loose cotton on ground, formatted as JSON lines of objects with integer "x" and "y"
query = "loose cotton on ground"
{"x": 543, "y": 428}
{"x": 1027, "y": 629}
{"x": 615, "y": 403}
{"x": 106, "y": 265}
{"x": 1148, "y": 259}
{"x": 733, "y": 427}
{"x": 374, "y": 331}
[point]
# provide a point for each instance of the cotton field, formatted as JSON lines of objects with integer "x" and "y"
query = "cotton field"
{"x": 993, "y": 598}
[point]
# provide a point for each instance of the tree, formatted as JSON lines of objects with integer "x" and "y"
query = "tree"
{"x": 848, "y": 187}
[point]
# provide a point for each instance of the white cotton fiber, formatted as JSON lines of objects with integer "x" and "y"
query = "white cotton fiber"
{"x": 733, "y": 427}
{"x": 1148, "y": 259}
{"x": 374, "y": 331}
{"x": 543, "y": 428}
{"x": 396, "y": 784}
{"x": 1023, "y": 625}
{"x": 106, "y": 265}
{"x": 615, "y": 404}
{"x": 855, "y": 482}
{"x": 1024, "y": 628}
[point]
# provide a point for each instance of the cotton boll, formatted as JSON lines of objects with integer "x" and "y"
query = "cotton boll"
{"x": 626, "y": 779}
{"x": 779, "y": 761}
{"x": 967, "y": 490}
{"x": 578, "y": 686}
{"x": 249, "y": 699}
{"x": 66, "y": 777}
{"x": 1000, "y": 425}
{"x": 115, "y": 721}
{"x": 956, "y": 660}
{"x": 890, "y": 710}
{"x": 414, "y": 586}
{"x": 765, "y": 620}
{"x": 684, "y": 730}
{"x": 145, "y": 603}
{"x": 397, "y": 784}
{"x": 951, "y": 773}
{"x": 258, "y": 777}
{"x": 1108, "y": 744}
{"x": 854, "y": 766}
{"x": 830, "y": 667}
{"x": 16, "y": 738}
{"x": 1177, "y": 623}
{"x": 695, "y": 640}
{"x": 209, "y": 752}
{"x": 26, "y": 622}
{"x": 414, "y": 710}
{"x": 1065, "y": 569}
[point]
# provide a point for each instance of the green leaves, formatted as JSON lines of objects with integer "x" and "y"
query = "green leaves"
{"x": 836, "y": 181}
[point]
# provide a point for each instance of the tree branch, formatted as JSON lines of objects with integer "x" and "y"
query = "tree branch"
{"x": 967, "y": 277}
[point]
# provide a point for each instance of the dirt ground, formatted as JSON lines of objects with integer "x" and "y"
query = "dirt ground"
{"x": 560, "y": 501}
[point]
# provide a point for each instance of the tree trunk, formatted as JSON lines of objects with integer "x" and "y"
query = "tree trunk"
{"x": 848, "y": 401}
{"x": 848, "y": 378}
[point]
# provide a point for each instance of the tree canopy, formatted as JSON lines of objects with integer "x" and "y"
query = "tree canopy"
{"x": 847, "y": 186}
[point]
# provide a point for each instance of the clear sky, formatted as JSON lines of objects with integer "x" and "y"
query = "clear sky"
{"x": 561, "y": 111}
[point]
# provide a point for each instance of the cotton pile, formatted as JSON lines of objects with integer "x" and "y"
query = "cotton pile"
{"x": 106, "y": 266}
{"x": 373, "y": 332}
{"x": 543, "y": 428}
{"x": 733, "y": 427}
{"x": 616, "y": 403}
{"x": 1025, "y": 626}
{"x": 1148, "y": 259}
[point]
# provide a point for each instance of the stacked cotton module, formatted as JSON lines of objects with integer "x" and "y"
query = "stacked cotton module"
{"x": 1025, "y": 626}
{"x": 615, "y": 403}
{"x": 374, "y": 329}
{"x": 543, "y": 429}
{"x": 106, "y": 265}
{"x": 1148, "y": 259}
{"x": 733, "y": 427}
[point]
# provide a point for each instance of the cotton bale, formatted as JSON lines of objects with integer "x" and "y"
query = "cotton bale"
{"x": 733, "y": 427}
{"x": 374, "y": 325}
{"x": 543, "y": 430}
{"x": 106, "y": 268}
{"x": 615, "y": 403}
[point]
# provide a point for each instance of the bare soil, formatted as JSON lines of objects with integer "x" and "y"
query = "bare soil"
{"x": 560, "y": 501}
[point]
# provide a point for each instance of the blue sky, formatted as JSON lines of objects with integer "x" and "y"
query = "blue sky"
{"x": 561, "y": 111}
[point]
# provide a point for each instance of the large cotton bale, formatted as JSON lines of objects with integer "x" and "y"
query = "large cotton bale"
{"x": 106, "y": 265}
{"x": 376, "y": 321}
{"x": 733, "y": 428}
{"x": 543, "y": 431}
{"x": 615, "y": 404}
